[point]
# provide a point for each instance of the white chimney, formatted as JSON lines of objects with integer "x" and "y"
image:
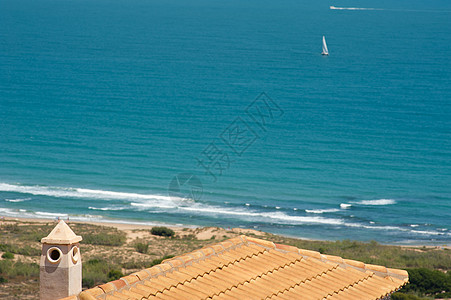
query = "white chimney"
{"x": 60, "y": 266}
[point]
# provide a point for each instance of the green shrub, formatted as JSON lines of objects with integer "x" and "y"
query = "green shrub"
{"x": 105, "y": 239}
{"x": 114, "y": 274}
{"x": 95, "y": 272}
{"x": 25, "y": 269}
{"x": 5, "y": 266}
{"x": 98, "y": 271}
{"x": 141, "y": 247}
{"x": 27, "y": 250}
{"x": 428, "y": 282}
{"x": 162, "y": 231}
{"x": 11, "y": 227}
{"x": 160, "y": 260}
{"x": 3, "y": 279}
{"x": 7, "y": 255}
{"x": 401, "y": 296}
{"x": 11, "y": 269}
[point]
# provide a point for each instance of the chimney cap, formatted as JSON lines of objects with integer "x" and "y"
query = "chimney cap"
{"x": 61, "y": 235}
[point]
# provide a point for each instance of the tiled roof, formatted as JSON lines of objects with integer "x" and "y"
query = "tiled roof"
{"x": 250, "y": 268}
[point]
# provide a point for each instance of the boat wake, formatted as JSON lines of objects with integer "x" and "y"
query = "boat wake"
{"x": 377, "y": 202}
{"x": 355, "y": 8}
{"x": 389, "y": 9}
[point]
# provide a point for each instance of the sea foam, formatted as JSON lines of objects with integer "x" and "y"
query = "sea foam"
{"x": 321, "y": 211}
{"x": 17, "y": 200}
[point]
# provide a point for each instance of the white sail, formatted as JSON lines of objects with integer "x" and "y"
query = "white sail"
{"x": 325, "y": 51}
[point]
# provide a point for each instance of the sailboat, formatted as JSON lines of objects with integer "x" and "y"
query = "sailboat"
{"x": 325, "y": 51}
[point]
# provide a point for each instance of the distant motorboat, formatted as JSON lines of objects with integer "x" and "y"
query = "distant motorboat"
{"x": 325, "y": 51}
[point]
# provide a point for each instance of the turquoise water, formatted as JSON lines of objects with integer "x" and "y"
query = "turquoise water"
{"x": 104, "y": 103}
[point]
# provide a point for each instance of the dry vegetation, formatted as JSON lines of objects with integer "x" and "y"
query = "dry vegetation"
{"x": 109, "y": 253}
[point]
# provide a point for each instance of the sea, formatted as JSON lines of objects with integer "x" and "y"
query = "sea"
{"x": 225, "y": 113}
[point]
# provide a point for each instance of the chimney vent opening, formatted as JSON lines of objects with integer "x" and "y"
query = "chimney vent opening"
{"x": 75, "y": 254}
{"x": 54, "y": 255}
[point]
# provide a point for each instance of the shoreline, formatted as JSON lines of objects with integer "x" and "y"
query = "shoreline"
{"x": 127, "y": 226}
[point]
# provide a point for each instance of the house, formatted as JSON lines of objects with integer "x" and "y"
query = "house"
{"x": 249, "y": 268}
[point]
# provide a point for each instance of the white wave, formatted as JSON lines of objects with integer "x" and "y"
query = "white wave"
{"x": 275, "y": 217}
{"x": 414, "y": 225}
{"x": 6, "y": 210}
{"x": 107, "y": 208}
{"x": 377, "y": 202}
{"x": 388, "y": 227}
{"x": 81, "y": 193}
{"x": 354, "y": 8}
{"x": 320, "y": 211}
{"x": 345, "y": 205}
{"x": 18, "y": 200}
{"x": 82, "y": 218}
{"x": 396, "y": 228}
{"x": 144, "y": 205}
{"x": 51, "y": 215}
{"x": 22, "y": 213}
{"x": 428, "y": 232}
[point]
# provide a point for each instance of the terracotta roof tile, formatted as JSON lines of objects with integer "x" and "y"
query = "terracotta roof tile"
{"x": 264, "y": 243}
{"x": 287, "y": 248}
{"x": 333, "y": 258}
{"x": 96, "y": 291}
{"x": 310, "y": 253}
{"x": 354, "y": 263}
{"x": 402, "y": 273}
{"x": 110, "y": 297}
{"x": 86, "y": 296}
{"x": 196, "y": 255}
{"x": 116, "y": 296}
{"x": 70, "y": 298}
{"x": 249, "y": 268}
{"x": 164, "y": 267}
{"x": 143, "y": 274}
{"x": 153, "y": 270}
{"x": 108, "y": 287}
{"x": 207, "y": 251}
